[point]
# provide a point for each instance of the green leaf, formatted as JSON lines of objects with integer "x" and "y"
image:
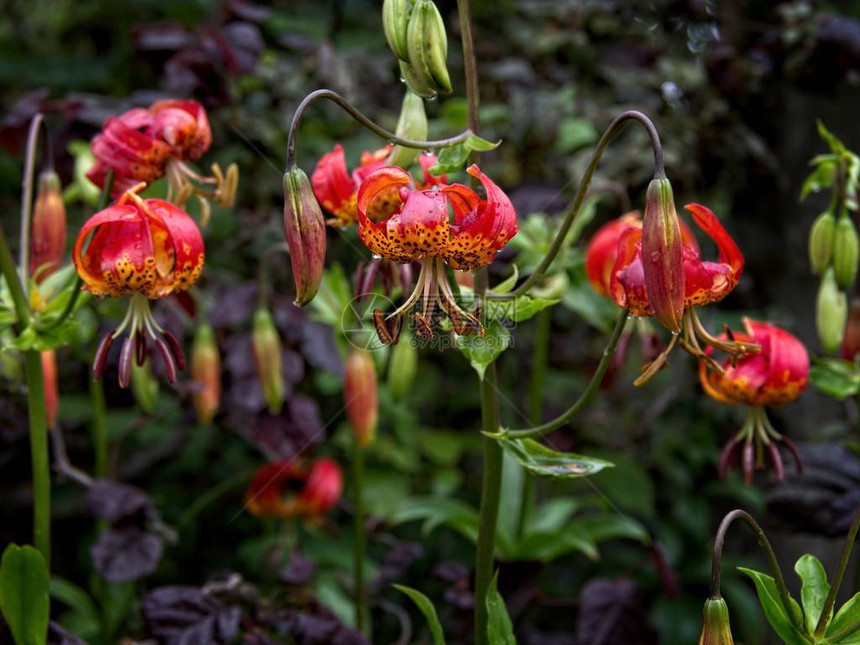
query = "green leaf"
{"x": 24, "y": 594}
{"x": 836, "y": 378}
{"x": 819, "y": 179}
{"x": 84, "y": 619}
{"x": 546, "y": 462}
{"x": 848, "y": 614}
{"x": 33, "y": 339}
{"x": 609, "y": 526}
{"x": 481, "y": 351}
{"x": 452, "y": 158}
{"x": 574, "y": 134}
{"x": 836, "y": 146}
{"x": 549, "y": 545}
{"x": 814, "y": 589}
{"x": 771, "y": 604}
{"x": 519, "y": 309}
{"x": 508, "y": 283}
{"x": 551, "y": 515}
{"x": 426, "y": 606}
{"x": 500, "y": 631}
{"x": 436, "y": 511}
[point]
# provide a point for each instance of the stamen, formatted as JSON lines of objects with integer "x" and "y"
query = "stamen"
{"x": 175, "y": 348}
{"x": 776, "y": 460}
{"x": 657, "y": 364}
{"x": 167, "y": 357}
{"x": 426, "y": 268}
{"x": 125, "y": 358}
{"x": 100, "y": 359}
{"x": 140, "y": 349}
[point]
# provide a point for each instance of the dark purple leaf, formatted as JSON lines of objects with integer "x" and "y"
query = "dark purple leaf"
{"x": 59, "y": 636}
{"x": 246, "y": 11}
{"x": 300, "y": 571}
{"x": 612, "y": 611}
{"x": 113, "y": 501}
{"x": 186, "y": 615}
{"x": 165, "y": 37}
{"x": 319, "y": 347}
{"x": 450, "y": 571}
{"x": 125, "y": 554}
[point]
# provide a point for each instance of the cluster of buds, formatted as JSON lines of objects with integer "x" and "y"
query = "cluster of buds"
{"x": 142, "y": 145}
{"x": 146, "y": 249}
{"x": 416, "y": 35}
{"x": 291, "y": 489}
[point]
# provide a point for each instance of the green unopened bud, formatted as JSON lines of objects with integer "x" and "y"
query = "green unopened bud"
{"x": 716, "y": 629}
{"x": 821, "y": 242}
{"x": 206, "y": 373}
{"x": 831, "y": 313}
{"x": 846, "y": 252}
{"x": 360, "y": 395}
{"x": 267, "y": 356}
{"x": 402, "y": 367}
{"x": 144, "y": 386}
{"x": 395, "y": 22}
{"x": 412, "y": 124}
{"x": 663, "y": 255}
{"x": 304, "y": 226}
{"x": 427, "y": 48}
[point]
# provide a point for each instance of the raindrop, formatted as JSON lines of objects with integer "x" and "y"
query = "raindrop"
{"x": 655, "y": 256}
{"x": 402, "y": 79}
{"x": 431, "y": 98}
{"x": 376, "y": 256}
{"x": 676, "y": 333}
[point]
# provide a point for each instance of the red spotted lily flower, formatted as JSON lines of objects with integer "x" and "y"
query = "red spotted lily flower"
{"x": 419, "y": 230}
{"x": 146, "y": 249}
{"x": 337, "y": 190}
{"x": 774, "y": 376}
{"x": 289, "y": 489}
{"x": 705, "y": 282}
{"x": 142, "y": 145}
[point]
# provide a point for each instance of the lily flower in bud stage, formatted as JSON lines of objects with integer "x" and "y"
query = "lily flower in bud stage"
{"x": 705, "y": 282}
{"x": 419, "y": 230}
{"x": 360, "y": 395}
{"x": 285, "y": 489}
{"x": 48, "y": 232}
{"x": 716, "y": 629}
{"x": 142, "y": 145}
{"x": 775, "y": 376}
{"x": 337, "y": 190}
{"x": 146, "y": 249}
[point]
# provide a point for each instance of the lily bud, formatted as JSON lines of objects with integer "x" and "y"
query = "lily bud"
{"x": 846, "y": 252}
{"x": 716, "y": 629}
{"x": 360, "y": 395}
{"x": 412, "y": 124}
{"x": 663, "y": 255}
{"x": 425, "y": 71}
{"x": 304, "y": 226}
{"x": 52, "y": 393}
{"x": 821, "y": 237}
{"x": 831, "y": 313}
{"x": 267, "y": 355}
{"x": 851, "y": 339}
{"x": 402, "y": 367}
{"x": 48, "y": 232}
{"x": 144, "y": 386}
{"x": 395, "y": 22}
{"x": 322, "y": 489}
{"x": 206, "y": 374}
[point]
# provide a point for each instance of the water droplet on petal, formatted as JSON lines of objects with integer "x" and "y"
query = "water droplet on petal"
{"x": 376, "y": 256}
{"x": 655, "y": 256}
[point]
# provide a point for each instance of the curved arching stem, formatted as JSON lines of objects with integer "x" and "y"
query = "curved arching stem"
{"x": 37, "y": 127}
{"x": 573, "y": 210}
{"x": 345, "y": 105}
{"x": 716, "y": 562}
{"x": 589, "y": 392}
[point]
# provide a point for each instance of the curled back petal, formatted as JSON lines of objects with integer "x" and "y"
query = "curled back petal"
{"x": 183, "y": 124}
{"x": 181, "y": 242}
{"x": 334, "y": 189}
{"x": 710, "y": 282}
{"x": 788, "y": 369}
{"x": 603, "y": 251}
{"x": 741, "y": 382}
{"x": 130, "y": 152}
{"x": 627, "y": 284}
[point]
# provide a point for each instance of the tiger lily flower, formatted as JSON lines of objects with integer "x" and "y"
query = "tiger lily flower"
{"x": 337, "y": 190}
{"x": 419, "y": 230}
{"x": 705, "y": 282}
{"x": 142, "y": 145}
{"x": 289, "y": 489}
{"x": 775, "y": 376}
{"x": 147, "y": 249}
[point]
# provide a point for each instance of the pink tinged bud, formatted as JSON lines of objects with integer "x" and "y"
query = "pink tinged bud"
{"x": 715, "y": 623}
{"x": 52, "y": 393}
{"x": 304, "y": 226}
{"x": 48, "y": 232}
{"x": 267, "y": 356}
{"x": 360, "y": 395}
{"x": 663, "y": 255}
{"x": 206, "y": 374}
{"x": 851, "y": 338}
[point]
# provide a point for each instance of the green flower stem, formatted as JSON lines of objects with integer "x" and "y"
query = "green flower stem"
{"x": 716, "y": 563}
{"x": 540, "y": 354}
{"x": 358, "y": 545}
{"x": 39, "y": 454}
{"x": 837, "y": 579}
{"x": 589, "y": 392}
{"x": 76, "y": 292}
{"x": 573, "y": 210}
{"x": 99, "y": 428}
{"x": 36, "y": 126}
{"x": 341, "y": 102}
{"x": 36, "y": 407}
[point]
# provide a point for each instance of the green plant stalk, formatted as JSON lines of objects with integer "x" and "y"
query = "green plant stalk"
{"x": 536, "y": 388}
{"x": 837, "y": 579}
{"x": 358, "y": 546}
{"x": 292, "y": 137}
{"x": 573, "y": 210}
{"x": 99, "y": 428}
{"x": 36, "y": 126}
{"x": 716, "y": 562}
{"x": 589, "y": 391}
